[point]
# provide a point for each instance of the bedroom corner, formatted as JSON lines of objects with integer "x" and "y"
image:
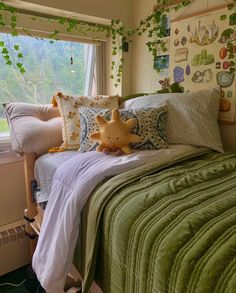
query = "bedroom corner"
{"x": 117, "y": 146}
{"x": 145, "y": 79}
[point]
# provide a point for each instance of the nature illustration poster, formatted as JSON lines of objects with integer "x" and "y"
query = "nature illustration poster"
{"x": 200, "y": 59}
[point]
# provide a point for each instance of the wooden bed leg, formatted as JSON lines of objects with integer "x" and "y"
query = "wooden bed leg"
{"x": 31, "y": 211}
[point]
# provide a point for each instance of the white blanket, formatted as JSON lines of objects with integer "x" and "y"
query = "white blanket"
{"x": 72, "y": 184}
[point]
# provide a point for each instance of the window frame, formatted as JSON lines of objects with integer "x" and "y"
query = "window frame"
{"x": 5, "y": 141}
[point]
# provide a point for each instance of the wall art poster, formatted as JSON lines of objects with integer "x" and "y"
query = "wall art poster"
{"x": 199, "y": 57}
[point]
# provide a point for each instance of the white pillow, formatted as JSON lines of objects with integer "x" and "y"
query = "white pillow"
{"x": 191, "y": 118}
{"x": 147, "y": 101}
{"x": 33, "y": 128}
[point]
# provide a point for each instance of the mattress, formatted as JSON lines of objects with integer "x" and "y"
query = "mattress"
{"x": 44, "y": 169}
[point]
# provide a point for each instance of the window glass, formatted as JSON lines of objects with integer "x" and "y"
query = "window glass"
{"x": 61, "y": 66}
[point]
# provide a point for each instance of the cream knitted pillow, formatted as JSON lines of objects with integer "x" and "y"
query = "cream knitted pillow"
{"x": 69, "y": 109}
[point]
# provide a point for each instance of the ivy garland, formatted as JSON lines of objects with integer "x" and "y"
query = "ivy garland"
{"x": 154, "y": 26}
{"x": 230, "y": 46}
{"x": 15, "y": 56}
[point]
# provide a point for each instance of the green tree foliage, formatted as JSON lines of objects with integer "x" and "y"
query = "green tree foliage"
{"x": 48, "y": 70}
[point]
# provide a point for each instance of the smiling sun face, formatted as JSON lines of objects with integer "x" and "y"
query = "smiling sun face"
{"x": 115, "y": 134}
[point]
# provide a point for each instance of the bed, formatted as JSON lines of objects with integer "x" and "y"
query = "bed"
{"x": 155, "y": 221}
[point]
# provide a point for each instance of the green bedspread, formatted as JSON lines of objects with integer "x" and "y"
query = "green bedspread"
{"x": 165, "y": 227}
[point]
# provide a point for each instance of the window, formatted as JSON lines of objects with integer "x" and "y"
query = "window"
{"x": 62, "y": 66}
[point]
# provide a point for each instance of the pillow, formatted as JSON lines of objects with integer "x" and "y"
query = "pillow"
{"x": 154, "y": 100}
{"x": 150, "y": 126}
{"x": 129, "y": 97}
{"x": 33, "y": 128}
{"x": 192, "y": 117}
{"x": 68, "y": 107}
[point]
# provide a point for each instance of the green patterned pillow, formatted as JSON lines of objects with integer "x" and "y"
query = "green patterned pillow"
{"x": 150, "y": 126}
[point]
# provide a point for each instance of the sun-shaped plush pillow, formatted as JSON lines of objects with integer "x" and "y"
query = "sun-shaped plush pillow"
{"x": 114, "y": 135}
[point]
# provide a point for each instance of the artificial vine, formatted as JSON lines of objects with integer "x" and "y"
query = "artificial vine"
{"x": 230, "y": 46}
{"x": 16, "y": 53}
{"x": 154, "y": 26}
{"x": 13, "y": 56}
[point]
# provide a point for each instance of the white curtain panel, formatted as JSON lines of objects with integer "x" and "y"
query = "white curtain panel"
{"x": 89, "y": 58}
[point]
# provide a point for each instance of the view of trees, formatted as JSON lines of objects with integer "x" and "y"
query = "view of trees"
{"x": 48, "y": 70}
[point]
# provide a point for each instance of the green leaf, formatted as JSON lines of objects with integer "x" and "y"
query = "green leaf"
{"x": 20, "y": 55}
{"x": 9, "y": 62}
{"x": 5, "y": 51}
{"x": 14, "y": 33}
{"x": 62, "y": 21}
{"x": 16, "y": 47}
{"x": 223, "y": 17}
{"x": 6, "y": 57}
{"x": 2, "y": 44}
{"x": 19, "y": 65}
{"x": 232, "y": 69}
{"x": 11, "y": 9}
{"x": 13, "y": 18}
{"x": 22, "y": 70}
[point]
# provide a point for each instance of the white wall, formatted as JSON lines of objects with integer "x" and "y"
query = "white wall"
{"x": 144, "y": 77}
{"x": 12, "y": 189}
{"x": 117, "y": 9}
{"x": 13, "y": 254}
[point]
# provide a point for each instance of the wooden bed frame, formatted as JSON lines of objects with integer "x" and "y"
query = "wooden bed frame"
{"x": 32, "y": 211}
{"x": 33, "y": 215}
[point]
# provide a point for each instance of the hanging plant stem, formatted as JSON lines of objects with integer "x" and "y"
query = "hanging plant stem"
{"x": 153, "y": 26}
{"x": 16, "y": 55}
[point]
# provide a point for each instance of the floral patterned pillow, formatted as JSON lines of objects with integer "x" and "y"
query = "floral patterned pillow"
{"x": 68, "y": 107}
{"x": 150, "y": 126}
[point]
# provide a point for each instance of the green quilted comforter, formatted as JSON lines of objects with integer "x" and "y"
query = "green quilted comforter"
{"x": 165, "y": 228}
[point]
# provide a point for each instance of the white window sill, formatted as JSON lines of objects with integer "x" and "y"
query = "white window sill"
{"x": 4, "y": 140}
{"x": 5, "y": 144}
{"x": 7, "y": 155}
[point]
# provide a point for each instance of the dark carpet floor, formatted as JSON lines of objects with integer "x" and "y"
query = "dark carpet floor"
{"x": 31, "y": 284}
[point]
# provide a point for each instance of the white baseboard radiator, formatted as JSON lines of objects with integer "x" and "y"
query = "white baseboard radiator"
{"x": 14, "y": 247}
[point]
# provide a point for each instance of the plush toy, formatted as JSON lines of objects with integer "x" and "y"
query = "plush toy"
{"x": 169, "y": 88}
{"x": 114, "y": 135}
